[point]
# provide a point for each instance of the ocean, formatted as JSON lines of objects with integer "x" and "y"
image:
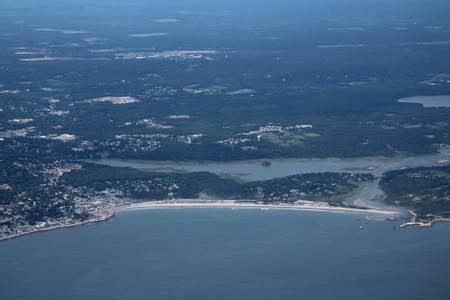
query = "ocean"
{"x": 229, "y": 254}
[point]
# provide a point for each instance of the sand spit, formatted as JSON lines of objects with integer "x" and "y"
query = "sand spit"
{"x": 166, "y": 20}
{"x": 233, "y": 204}
{"x": 144, "y": 35}
{"x": 342, "y": 46}
{"x": 241, "y": 92}
{"x": 63, "y": 31}
{"x": 114, "y": 100}
{"x": 175, "y": 54}
{"x": 60, "y": 58}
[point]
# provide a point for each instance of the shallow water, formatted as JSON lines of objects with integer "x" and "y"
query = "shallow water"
{"x": 254, "y": 170}
{"x": 229, "y": 254}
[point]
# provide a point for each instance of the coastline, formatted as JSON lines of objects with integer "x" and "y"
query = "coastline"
{"x": 60, "y": 226}
{"x": 251, "y": 204}
{"x": 307, "y": 206}
{"x": 200, "y": 203}
{"x": 413, "y": 221}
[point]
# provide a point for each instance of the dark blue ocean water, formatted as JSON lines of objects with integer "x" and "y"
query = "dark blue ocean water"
{"x": 229, "y": 254}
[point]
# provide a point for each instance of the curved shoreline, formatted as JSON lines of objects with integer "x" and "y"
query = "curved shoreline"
{"x": 239, "y": 204}
{"x": 221, "y": 204}
{"x": 413, "y": 221}
{"x": 306, "y": 206}
{"x": 37, "y": 230}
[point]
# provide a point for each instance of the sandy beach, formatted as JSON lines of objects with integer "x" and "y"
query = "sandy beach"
{"x": 230, "y": 204}
{"x": 233, "y": 204}
{"x": 371, "y": 211}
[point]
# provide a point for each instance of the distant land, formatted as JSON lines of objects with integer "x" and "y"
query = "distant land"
{"x": 107, "y": 104}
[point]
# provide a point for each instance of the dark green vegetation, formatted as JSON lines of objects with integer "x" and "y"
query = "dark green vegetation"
{"x": 222, "y": 80}
{"x": 424, "y": 190}
{"x": 44, "y": 193}
{"x": 142, "y": 185}
{"x": 339, "y": 74}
